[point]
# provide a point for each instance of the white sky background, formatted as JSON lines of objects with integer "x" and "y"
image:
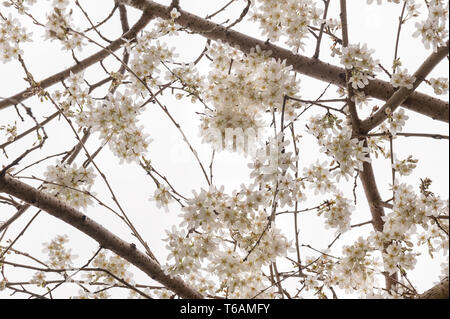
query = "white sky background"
{"x": 371, "y": 24}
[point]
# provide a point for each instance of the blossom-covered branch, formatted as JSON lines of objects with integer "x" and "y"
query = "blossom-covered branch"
{"x": 403, "y": 93}
{"x": 418, "y": 102}
{"x": 96, "y": 231}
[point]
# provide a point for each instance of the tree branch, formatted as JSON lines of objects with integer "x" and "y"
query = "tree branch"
{"x": 96, "y": 231}
{"x": 83, "y": 64}
{"x": 440, "y": 291}
{"x": 418, "y": 102}
{"x": 403, "y": 93}
{"x": 351, "y": 104}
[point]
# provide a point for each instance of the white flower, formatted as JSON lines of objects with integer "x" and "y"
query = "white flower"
{"x": 337, "y": 213}
{"x": 358, "y": 59}
{"x": 60, "y": 4}
{"x": 349, "y": 152}
{"x": 396, "y": 121}
{"x": 116, "y": 119}
{"x": 434, "y": 30}
{"x": 401, "y": 78}
{"x": 39, "y": 279}
{"x": 289, "y": 18}
{"x": 241, "y": 88}
{"x": 379, "y": 1}
{"x": 406, "y": 166}
{"x": 162, "y": 197}
{"x": 59, "y": 256}
{"x": 174, "y": 14}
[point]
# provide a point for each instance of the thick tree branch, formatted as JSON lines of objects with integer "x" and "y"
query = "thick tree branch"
{"x": 351, "y": 104}
{"x": 402, "y": 94}
{"x": 83, "y": 64}
{"x": 440, "y": 291}
{"x": 418, "y": 102}
{"x": 96, "y": 231}
{"x": 366, "y": 176}
{"x": 34, "y": 128}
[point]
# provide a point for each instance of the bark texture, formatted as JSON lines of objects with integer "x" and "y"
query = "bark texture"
{"x": 83, "y": 64}
{"x": 440, "y": 291}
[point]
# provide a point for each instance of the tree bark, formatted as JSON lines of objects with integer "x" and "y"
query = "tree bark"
{"x": 104, "y": 237}
{"x": 417, "y": 102}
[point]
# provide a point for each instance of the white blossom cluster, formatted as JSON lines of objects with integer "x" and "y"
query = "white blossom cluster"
{"x": 356, "y": 270}
{"x": 191, "y": 80}
{"x": 241, "y": 279}
{"x": 168, "y": 27}
{"x": 434, "y": 30}
{"x": 399, "y": 256}
{"x": 39, "y": 279}
{"x": 320, "y": 178}
{"x": 115, "y": 117}
{"x": 60, "y": 257}
{"x": 288, "y": 18}
{"x": 359, "y": 97}
{"x": 336, "y": 140}
{"x": 70, "y": 183}
{"x": 231, "y": 128}
{"x": 401, "y": 78}
{"x": 60, "y": 24}
{"x": 333, "y": 24}
{"x": 112, "y": 263}
{"x": 212, "y": 216}
{"x": 116, "y": 120}
{"x": 75, "y": 97}
{"x": 10, "y": 131}
{"x": 358, "y": 267}
{"x": 406, "y": 166}
{"x": 162, "y": 197}
{"x": 439, "y": 85}
{"x": 201, "y": 284}
{"x": 377, "y": 144}
{"x": 410, "y": 209}
{"x": 409, "y": 212}
{"x": 19, "y": 5}
{"x": 241, "y": 87}
{"x": 359, "y": 60}
{"x": 395, "y": 121}
{"x": 188, "y": 251}
{"x": 11, "y": 35}
{"x": 324, "y": 266}
{"x": 148, "y": 54}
